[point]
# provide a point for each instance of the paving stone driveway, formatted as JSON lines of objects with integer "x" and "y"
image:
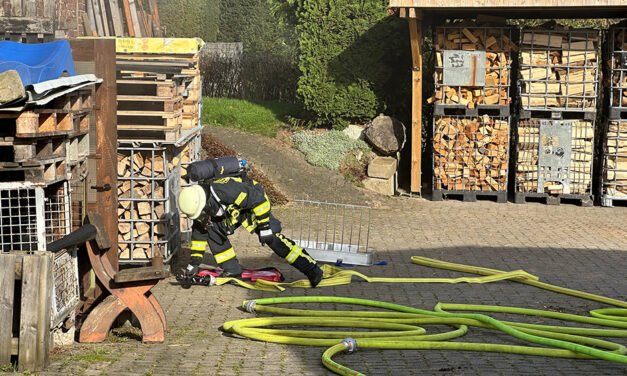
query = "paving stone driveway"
{"x": 580, "y": 248}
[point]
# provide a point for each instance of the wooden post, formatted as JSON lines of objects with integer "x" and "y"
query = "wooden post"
{"x": 97, "y": 56}
{"x": 415, "y": 33}
{"x": 129, "y": 19}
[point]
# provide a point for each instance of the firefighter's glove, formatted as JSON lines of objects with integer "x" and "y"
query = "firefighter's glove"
{"x": 265, "y": 233}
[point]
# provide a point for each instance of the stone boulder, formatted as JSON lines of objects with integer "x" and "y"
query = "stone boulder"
{"x": 11, "y": 87}
{"x": 386, "y": 134}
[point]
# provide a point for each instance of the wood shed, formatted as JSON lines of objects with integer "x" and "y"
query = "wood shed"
{"x": 422, "y": 13}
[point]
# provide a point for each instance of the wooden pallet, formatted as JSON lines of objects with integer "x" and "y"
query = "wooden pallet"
{"x": 558, "y": 114}
{"x": 39, "y": 149}
{"x": 45, "y": 123}
{"x": 26, "y": 288}
{"x": 611, "y": 201}
{"x": 150, "y": 103}
{"x": 149, "y": 133}
{"x": 151, "y": 87}
{"x": 49, "y": 171}
{"x": 525, "y": 197}
{"x": 469, "y": 196}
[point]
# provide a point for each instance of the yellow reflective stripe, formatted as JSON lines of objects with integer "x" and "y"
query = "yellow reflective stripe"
{"x": 240, "y": 198}
{"x": 197, "y": 255}
{"x": 198, "y": 245}
{"x": 225, "y": 256}
{"x": 262, "y": 209}
{"x": 264, "y": 220}
{"x": 294, "y": 253}
{"x": 249, "y": 227}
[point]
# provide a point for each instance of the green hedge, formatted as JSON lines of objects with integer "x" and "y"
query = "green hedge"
{"x": 190, "y": 18}
{"x": 355, "y": 61}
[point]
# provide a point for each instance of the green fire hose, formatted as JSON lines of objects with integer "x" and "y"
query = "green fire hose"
{"x": 400, "y": 327}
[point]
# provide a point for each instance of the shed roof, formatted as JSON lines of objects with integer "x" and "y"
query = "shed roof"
{"x": 521, "y": 8}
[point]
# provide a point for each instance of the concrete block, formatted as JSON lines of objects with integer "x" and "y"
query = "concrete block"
{"x": 382, "y": 167}
{"x": 382, "y": 186}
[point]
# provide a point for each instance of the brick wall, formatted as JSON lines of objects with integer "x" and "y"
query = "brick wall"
{"x": 69, "y": 18}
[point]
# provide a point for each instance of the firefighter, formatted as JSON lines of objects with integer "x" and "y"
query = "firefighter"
{"x": 219, "y": 207}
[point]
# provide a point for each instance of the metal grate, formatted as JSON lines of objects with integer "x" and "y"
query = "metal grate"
{"x": 21, "y": 217}
{"x": 66, "y": 286}
{"x": 581, "y": 159}
{"x": 559, "y": 70}
{"x": 147, "y": 221}
{"x": 189, "y": 155}
{"x": 614, "y": 161}
{"x": 618, "y": 66}
{"x": 57, "y": 211}
{"x": 331, "y": 232}
{"x": 498, "y": 78}
{"x": 470, "y": 153}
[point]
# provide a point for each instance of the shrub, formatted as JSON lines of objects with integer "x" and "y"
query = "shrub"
{"x": 190, "y": 18}
{"x": 355, "y": 60}
{"x": 327, "y": 149}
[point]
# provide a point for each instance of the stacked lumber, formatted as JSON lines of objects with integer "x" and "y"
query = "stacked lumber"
{"x": 615, "y": 158}
{"x": 467, "y": 36}
{"x": 144, "y": 180}
{"x": 44, "y": 144}
{"x": 470, "y": 154}
{"x": 618, "y": 72}
{"x": 159, "y": 87}
{"x": 121, "y": 18}
{"x": 582, "y": 149}
{"x": 559, "y": 69}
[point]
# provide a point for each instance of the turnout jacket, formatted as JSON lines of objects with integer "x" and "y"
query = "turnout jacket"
{"x": 236, "y": 201}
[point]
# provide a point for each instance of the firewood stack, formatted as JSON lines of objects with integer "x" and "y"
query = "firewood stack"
{"x": 190, "y": 154}
{"x": 582, "y": 146}
{"x": 468, "y": 36}
{"x": 470, "y": 154}
{"x": 618, "y": 74}
{"x": 615, "y": 163}
{"x": 559, "y": 69}
{"x": 145, "y": 178}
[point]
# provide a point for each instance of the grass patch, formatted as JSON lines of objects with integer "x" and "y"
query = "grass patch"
{"x": 261, "y": 117}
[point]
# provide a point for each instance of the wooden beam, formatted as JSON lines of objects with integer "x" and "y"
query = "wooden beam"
{"x": 415, "y": 33}
{"x": 156, "y": 22}
{"x": 116, "y": 18}
{"x": 27, "y": 24}
{"x": 129, "y": 18}
{"x": 135, "y": 19}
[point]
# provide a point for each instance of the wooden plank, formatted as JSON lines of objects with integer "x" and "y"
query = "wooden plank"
{"x": 30, "y": 8}
{"x": 27, "y": 351}
{"x": 87, "y": 25}
{"x": 142, "y": 274}
{"x": 415, "y": 32}
{"x": 146, "y": 31}
{"x": 505, "y": 3}
{"x": 156, "y": 22}
{"x": 129, "y": 18}
{"x": 26, "y": 24}
{"x": 49, "y": 8}
{"x": 105, "y": 20}
{"x": 99, "y": 26}
{"x": 89, "y": 10}
{"x": 44, "y": 308}
{"x": 16, "y": 8}
{"x": 135, "y": 19}
{"x": 7, "y": 281}
{"x": 117, "y": 18}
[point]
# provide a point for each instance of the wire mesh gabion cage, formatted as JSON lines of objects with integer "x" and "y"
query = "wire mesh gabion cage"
{"x": 574, "y": 177}
{"x": 559, "y": 69}
{"x": 32, "y": 215}
{"x": 615, "y": 162}
{"x": 618, "y": 67}
{"x": 331, "y": 232}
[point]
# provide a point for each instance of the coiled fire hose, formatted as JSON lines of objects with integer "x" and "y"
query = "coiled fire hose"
{"x": 400, "y": 326}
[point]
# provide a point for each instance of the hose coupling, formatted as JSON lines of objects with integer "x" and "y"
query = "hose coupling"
{"x": 249, "y": 306}
{"x": 351, "y": 345}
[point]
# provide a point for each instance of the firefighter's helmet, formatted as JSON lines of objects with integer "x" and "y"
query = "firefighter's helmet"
{"x": 192, "y": 201}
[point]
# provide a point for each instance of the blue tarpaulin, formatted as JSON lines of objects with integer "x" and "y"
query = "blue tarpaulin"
{"x": 37, "y": 62}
